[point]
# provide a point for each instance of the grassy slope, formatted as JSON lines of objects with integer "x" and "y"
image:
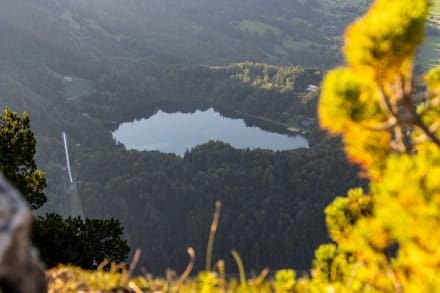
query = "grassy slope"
{"x": 77, "y": 87}
{"x": 333, "y": 3}
{"x": 258, "y": 27}
{"x": 330, "y": 8}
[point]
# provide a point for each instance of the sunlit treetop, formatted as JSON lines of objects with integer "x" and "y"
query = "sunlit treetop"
{"x": 372, "y": 100}
{"x": 432, "y": 79}
{"x": 387, "y": 239}
{"x": 387, "y": 37}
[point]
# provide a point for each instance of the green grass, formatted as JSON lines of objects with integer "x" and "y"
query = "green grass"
{"x": 92, "y": 24}
{"x": 117, "y": 278}
{"x": 77, "y": 87}
{"x": 296, "y": 45}
{"x": 258, "y": 27}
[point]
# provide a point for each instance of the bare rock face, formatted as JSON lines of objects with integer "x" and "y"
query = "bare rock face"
{"x": 20, "y": 270}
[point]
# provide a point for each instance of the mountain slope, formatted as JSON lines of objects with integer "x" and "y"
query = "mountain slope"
{"x": 81, "y": 66}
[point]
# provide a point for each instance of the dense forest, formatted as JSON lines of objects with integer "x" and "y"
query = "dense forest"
{"x": 48, "y": 41}
{"x": 83, "y": 68}
{"x": 383, "y": 234}
{"x": 272, "y": 200}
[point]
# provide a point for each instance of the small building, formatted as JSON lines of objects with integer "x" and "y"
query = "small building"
{"x": 294, "y": 130}
{"x": 312, "y": 88}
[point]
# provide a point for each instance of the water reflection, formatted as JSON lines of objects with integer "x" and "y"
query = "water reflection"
{"x": 176, "y": 132}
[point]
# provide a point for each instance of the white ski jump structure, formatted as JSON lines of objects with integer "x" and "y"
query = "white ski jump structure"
{"x": 67, "y": 158}
{"x": 70, "y": 202}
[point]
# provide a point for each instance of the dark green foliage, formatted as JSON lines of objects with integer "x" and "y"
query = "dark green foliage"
{"x": 46, "y": 40}
{"x": 84, "y": 243}
{"x": 272, "y": 201}
{"x": 17, "y": 150}
{"x": 164, "y": 202}
{"x": 255, "y": 89}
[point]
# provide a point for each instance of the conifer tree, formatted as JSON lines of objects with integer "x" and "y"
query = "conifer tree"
{"x": 17, "y": 151}
{"x": 387, "y": 238}
{"x": 82, "y": 242}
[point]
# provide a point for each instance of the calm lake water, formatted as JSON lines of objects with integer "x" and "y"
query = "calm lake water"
{"x": 178, "y": 132}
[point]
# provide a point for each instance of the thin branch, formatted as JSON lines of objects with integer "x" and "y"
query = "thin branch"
{"x": 407, "y": 99}
{"x": 134, "y": 262}
{"x": 421, "y": 97}
{"x": 417, "y": 121}
{"x": 400, "y": 141}
{"x": 433, "y": 129}
{"x": 189, "y": 267}
{"x": 386, "y": 104}
{"x": 430, "y": 104}
{"x": 393, "y": 276}
{"x": 427, "y": 132}
{"x": 388, "y": 125}
{"x": 213, "y": 230}
{"x": 400, "y": 87}
{"x": 434, "y": 102}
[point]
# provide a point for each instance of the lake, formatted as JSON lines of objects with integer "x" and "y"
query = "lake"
{"x": 178, "y": 132}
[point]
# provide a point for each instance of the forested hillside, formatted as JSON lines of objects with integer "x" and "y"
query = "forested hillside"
{"x": 85, "y": 66}
{"x": 47, "y": 40}
{"x": 385, "y": 234}
{"x": 272, "y": 201}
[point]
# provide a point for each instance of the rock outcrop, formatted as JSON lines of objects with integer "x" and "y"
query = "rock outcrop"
{"x": 20, "y": 269}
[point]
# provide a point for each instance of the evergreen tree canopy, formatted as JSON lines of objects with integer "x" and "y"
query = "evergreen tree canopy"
{"x": 85, "y": 243}
{"x": 386, "y": 239}
{"x": 17, "y": 151}
{"x": 81, "y": 242}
